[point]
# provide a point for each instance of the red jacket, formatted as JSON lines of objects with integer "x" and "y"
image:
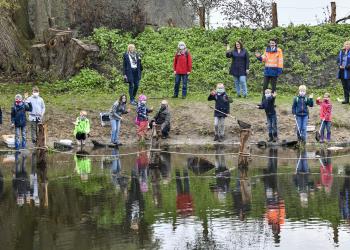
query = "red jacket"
{"x": 183, "y": 63}
{"x": 325, "y": 110}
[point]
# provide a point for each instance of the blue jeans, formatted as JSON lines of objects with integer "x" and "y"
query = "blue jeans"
{"x": 272, "y": 125}
{"x": 20, "y": 131}
{"x": 115, "y": 124}
{"x": 302, "y": 124}
{"x": 134, "y": 85}
{"x": 241, "y": 85}
{"x": 326, "y": 125}
{"x": 178, "y": 78}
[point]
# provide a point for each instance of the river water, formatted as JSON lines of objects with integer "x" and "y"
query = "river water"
{"x": 174, "y": 200}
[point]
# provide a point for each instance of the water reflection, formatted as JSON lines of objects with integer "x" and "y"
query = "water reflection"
{"x": 82, "y": 164}
{"x": 184, "y": 200}
{"x": 20, "y": 180}
{"x": 119, "y": 181}
{"x": 275, "y": 206}
{"x": 344, "y": 196}
{"x": 242, "y": 193}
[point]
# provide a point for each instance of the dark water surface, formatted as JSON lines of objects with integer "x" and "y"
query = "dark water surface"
{"x": 174, "y": 201}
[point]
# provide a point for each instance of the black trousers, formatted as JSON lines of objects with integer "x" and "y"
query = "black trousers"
{"x": 346, "y": 88}
{"x": 80, "y": 136}
{"x": 267, "y": 80}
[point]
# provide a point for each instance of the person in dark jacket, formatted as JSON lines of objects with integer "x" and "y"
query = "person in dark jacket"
{"x": 273, "y": 59}
{"x": 268, "y": 104}
{"x": 301, "y": 112}
{"x": 222, "y": 108}
{"x": 162, "y": 119}
{"x": 343, "y": 62}
{"x": 239, "y": 67}
{"x": 19, "y": 119}
{"x": 132, "y": 68}
{"x": 182, "y": 68}
{"x": 117, "y": 111}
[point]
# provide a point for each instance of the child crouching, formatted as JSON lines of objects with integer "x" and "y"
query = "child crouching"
{"x": 222, "y": 108}
{"x": 325, "y": 115}
{"x": 82, "y": 128}
{"x": 268, "y": 104}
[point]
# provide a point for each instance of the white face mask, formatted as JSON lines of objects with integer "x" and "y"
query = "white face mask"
{"x": 182, "y": 47}
{"x": 267, "y": 95}
{"x": 302, "y": 93}
{"x": 220, "y": 90}
{"x": 36, "y": 94}
{"x": 143, "y": 102}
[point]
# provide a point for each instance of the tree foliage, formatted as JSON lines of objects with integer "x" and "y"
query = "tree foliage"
{"x": 248, "y": 13}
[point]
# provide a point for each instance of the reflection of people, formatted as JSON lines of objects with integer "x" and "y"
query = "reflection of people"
{"x": 20, "y": 181}
{"x": 184, "y": 201}
{"x": 82, "y": 165}
{"x": 301, "y": 179}
{"x": 142, "y": 162}
{"x": 135, "y": 204}
{"x": 223, "y": 175}
{"x": 242, "y": 194}
{"x": 165, "y": 166}
{"x": 326, "y": 170}
{"x": 118, "y": 180}
{"x": 34, "y": 186}
{"x": 82, "y": 127}
{"x": 155, "y": 180}
{"x": 344, "y": 196}
{"x": 275, "y": 206}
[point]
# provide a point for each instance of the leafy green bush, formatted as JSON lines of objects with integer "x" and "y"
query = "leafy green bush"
{"x": 309, "y": 52}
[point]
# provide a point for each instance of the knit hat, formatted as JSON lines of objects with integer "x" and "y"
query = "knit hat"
{"x": 18, "y": 97}
{"x": 142, "y": 97}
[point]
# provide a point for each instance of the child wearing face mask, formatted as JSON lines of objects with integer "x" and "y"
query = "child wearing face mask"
{"x": 268, "y": 104}
{"x": 142, "y": 118}
{"x": 82, "y": 128}
{"x": 301, "y": 112}
{"x": 182, "y": 66}
{"x": 37, "y": 113}
{"x": 325, "y": 115}
{"x": 222, "y": 108}
{"x": 19, "y": 120}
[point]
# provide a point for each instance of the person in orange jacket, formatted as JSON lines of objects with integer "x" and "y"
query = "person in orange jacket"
{"x": 273, "y": 59}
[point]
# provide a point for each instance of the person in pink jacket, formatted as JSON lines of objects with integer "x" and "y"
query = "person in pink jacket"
{"x": 325, "y": 115}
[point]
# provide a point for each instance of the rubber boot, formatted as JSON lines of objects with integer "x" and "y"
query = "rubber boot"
{"x": 270, "y": 137}
{"x": 216, "y": 137}
{"x": 328, "y": 136}
{"x": 275, "y": 137}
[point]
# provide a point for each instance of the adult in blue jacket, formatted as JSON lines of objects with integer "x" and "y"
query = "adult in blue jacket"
{"x": 344, "y": 70}
{"x": 239, "y": 67}
{"x": 132, "y": 69}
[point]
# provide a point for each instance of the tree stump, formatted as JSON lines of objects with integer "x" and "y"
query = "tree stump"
{"x": 244, "y": 147}
{"x": 42, "y": 135}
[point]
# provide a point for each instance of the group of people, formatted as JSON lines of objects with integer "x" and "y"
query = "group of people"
{"x": 182, "y": 65}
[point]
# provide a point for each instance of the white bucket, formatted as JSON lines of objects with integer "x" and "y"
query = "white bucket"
{"x": 66, "y": 142}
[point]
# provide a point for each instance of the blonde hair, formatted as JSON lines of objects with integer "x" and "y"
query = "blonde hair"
{"x": 83, "y": 112}
{"x": 302, "y": 87}
{"x": 327, "y": 95}
{"x": 267, "y": 91}
{"x": 346, "y": 43}
{"x": 130, "y": 46}
{"x": 220, "y": 85}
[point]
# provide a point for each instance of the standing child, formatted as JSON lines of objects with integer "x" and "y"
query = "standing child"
{"x": 37, "y": 114}
{"x": 142, "y": 117}
{"x": 117, "y": 111}
{"x": 19, "y": 120}
{"x": 82, "y": 127}
{"x": 222, "y": 108}
{"x": 268, "y": 104}
{"x": 301, "y": 112}
{"x": 325, "y": 115}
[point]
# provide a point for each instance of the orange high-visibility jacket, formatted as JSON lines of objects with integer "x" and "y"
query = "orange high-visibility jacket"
{"x": 273, "y": 62}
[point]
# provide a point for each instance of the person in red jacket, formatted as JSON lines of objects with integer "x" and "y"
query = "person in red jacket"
{"x": 182, "y": 68}
{"x": 325, "y": 115}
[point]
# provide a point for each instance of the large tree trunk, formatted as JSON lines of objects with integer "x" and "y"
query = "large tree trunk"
{"x": 61, "y": 55}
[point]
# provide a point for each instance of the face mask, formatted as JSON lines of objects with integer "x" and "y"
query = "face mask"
{"x": 182, "y": 47}
{"x": 82, "y": 117}
{"x": 220, "y": 90}
{"x": 268, "y": 95}
{"x": 302, "y": 93}
{"x": 18, "y": 102}
{"x": 36, "y": 94}
{"x": 143, "y": 102}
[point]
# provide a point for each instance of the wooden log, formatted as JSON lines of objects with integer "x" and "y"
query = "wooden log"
{"x": 42, "y": 135}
